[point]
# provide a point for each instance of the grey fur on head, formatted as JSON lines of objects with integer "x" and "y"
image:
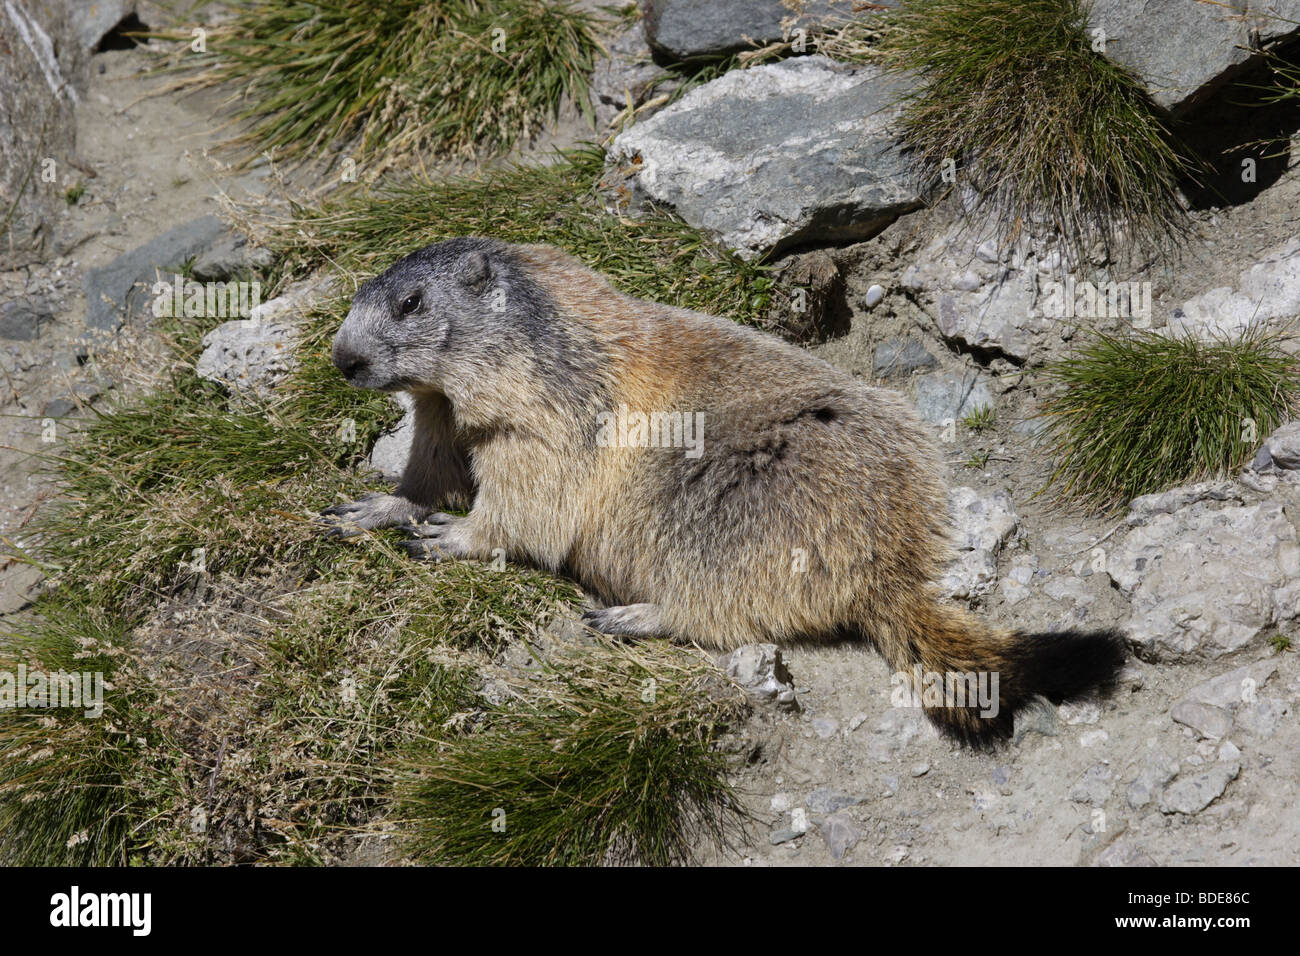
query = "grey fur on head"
{"x": 447, "y": 307}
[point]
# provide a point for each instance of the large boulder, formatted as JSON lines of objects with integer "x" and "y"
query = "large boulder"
{"x": 804, "y": 150}
{"x": 686, "y": 29}
{"x": 1183, "y": 50}
{"x": 39, "y": 61}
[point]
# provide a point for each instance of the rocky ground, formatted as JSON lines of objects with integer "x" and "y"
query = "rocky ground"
{"x": 1193, "y": 760}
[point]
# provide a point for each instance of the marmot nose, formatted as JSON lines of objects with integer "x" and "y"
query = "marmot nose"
{"x": 350, "y": 363}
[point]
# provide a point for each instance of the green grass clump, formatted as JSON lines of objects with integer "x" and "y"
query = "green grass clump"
{"x": 391, "y": 79}
{"x": 1045, "y": 129}
{"x": 980, "y": 419}
{"x": 1138, "y": 414}
{"x": 657, "y": 257}
{"x": 608, "y": 755}
{"x": 67, "y": 783}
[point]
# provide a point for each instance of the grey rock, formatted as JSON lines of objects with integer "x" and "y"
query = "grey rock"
{"x": 21, "y": 320}
{"x": 1068, "y": 589}
{"x": 759, "y": 669}
{"x": 1237, "y": 687}
{"x": 1001, "y": 776}
{"x": 800, "y": 150}
{"x": 95, "y": 20}
{"x": 777, "y": 837}
{"x": 1015, "y": 584}
{"x": 1182, "y": 52}
{"x": 1211, "y": 723}
{"x": 901, "y": 357}
{"x": 1039, "y": 718}
{"x": 123, "y": 286}
{"x": 1141, "y": 509}
{"x": 1124, "y": 853}
{"x": 942, "y": 397}
{"x": 1191, "y": 794}
{"x": 249, "y": 356}
{"x": 840, "y": 834}
{"x": 1281, "y": 450}
{"x": 19, "y": 587}
{"x": 1206, "y": 581}
{"x": 1263, "y": 717}
{"x": 1093, "y": 786}
{"x": 229, "y": 257}
{"x": 684, "y": 29}
{"x": 40, "y": 59}
{"x": 628, "y": 71}
{"x": 824, "y": 728}
{"x": 1156, "y": 771}
{"x": 982, "y": 525}
{"x": 828, "y": 800}
{"x": 58, "y": 407}
{"x": 986, "y": 305}
{"x": 1031, "y": 427}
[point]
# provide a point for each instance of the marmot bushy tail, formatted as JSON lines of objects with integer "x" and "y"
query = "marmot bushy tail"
{"x": 945, "y": 652}
{"x": 705, "y": 481}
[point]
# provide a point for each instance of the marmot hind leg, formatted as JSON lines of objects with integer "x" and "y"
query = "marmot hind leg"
{"x": 627, "y": 620}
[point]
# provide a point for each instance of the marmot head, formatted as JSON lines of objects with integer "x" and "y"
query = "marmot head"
{"x": 449, "y": 309}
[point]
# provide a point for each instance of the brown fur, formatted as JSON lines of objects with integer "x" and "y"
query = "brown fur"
{"x": 800, "y": 459}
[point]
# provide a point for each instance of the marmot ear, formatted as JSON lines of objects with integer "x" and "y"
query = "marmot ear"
{"x": 474, "y": 271}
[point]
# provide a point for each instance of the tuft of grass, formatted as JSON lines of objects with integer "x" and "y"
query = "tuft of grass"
{"x": 658, "y": 257}
{"x": 1140, "y": 413}
{"x": 1012, "y": 97}
{"x": 1280, "y": 642}
{"x": 394, "y": 79}
{"x": 73, "y": 193}
{"x": 605, "y": 754}
{"x": 980, "y": 419}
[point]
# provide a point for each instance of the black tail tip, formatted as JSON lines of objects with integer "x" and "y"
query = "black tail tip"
{"x": 1065, "y": 665}
{"x": 1058, "y": 665}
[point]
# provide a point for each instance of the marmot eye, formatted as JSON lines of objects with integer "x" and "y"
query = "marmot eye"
{"x": 410, "y": 303}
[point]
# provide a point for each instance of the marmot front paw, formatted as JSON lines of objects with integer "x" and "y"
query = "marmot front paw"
{"x": 375, "y": 510}
{"x": 440, "y": 537}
